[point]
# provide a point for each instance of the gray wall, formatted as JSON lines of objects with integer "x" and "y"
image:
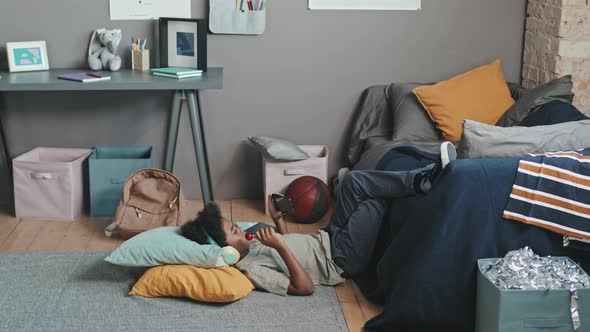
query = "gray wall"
{"x": 299, "y": 80}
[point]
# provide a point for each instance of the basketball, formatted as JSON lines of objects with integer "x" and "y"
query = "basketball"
{"x": 310, "y": 198}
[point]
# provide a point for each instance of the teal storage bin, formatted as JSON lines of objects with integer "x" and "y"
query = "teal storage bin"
{"x": 503, "y": 310}
{"x": 109, "y": 167}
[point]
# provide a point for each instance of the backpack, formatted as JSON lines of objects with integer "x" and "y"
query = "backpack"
{"x": 151, "y": 198}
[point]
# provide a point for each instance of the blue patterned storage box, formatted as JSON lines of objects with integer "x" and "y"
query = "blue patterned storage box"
{"x": 109, "y": 168}
{"x": 506, "y": 310}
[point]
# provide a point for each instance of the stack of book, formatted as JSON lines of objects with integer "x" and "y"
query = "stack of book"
{"x": 176, "y": 72}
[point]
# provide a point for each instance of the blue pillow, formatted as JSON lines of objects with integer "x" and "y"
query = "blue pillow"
{"x": 163, "y": 246}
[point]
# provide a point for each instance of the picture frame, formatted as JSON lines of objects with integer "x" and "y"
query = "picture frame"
{"x": 364, "y": 4}
{"x": 27, "y": 56}
{"x": 183, "y": 42}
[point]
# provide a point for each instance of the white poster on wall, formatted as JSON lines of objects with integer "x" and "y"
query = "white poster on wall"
{"x": 149, "y": 9}
{"x": 365, "y": 4}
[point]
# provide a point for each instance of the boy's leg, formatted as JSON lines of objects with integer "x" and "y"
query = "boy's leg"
{"x": 359, "y": 186}
{"x": 353, "y": 245}
{"x": 359, "y": 211}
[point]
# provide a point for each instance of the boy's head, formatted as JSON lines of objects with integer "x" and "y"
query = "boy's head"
{"x": 222, "y": 230}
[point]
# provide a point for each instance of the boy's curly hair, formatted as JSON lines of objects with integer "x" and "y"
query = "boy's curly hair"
{"x": 208, "y": 221}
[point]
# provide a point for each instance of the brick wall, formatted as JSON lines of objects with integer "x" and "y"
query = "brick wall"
{"x": 557, "y": 42}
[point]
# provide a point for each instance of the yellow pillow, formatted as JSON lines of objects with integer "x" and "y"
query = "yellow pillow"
{"x": 480, "y": 94}
{"x": 207, "y": 285}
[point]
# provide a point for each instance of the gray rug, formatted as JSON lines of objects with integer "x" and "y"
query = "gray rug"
{"x": 81, "y": 292}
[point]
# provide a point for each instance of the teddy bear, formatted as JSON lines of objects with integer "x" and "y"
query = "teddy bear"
{"x": 102, "y": 52}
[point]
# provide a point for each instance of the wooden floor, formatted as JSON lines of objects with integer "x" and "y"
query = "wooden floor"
{"x": 86, "y": 234}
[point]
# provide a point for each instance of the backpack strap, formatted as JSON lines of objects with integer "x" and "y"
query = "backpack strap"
{"x": 111, "y": 229}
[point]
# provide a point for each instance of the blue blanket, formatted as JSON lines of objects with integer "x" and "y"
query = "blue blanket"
{"x": 424, "y": 271}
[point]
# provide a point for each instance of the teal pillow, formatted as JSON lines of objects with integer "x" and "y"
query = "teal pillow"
{"x": 278, "y": 149}
{"x": 162, "y": 246}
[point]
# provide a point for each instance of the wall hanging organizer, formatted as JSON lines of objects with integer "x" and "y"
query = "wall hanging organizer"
{"x": 240, "y": 17}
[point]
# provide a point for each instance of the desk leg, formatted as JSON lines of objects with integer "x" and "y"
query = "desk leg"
{"x": 4, "y": 145}
{"x": 7, "y": 160}
{"x": 194, "y": 111}
{"x": 173, "y": 124}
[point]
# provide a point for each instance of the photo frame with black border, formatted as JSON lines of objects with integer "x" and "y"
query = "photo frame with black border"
{"x": 183, "y": 42}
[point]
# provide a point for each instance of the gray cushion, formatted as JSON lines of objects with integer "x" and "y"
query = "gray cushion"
{"x": 278, "y": 149}
{"x": 558, "y": 89}
{"x": 481, "y": 140}
{"x": 372, "y": 118}
{"x": 516, "y": 91}
{"x": 410, "y": 121}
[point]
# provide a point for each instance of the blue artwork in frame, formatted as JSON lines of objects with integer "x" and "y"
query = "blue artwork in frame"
{"x": 185, "y": 43}
{"x": 27, "y": 56}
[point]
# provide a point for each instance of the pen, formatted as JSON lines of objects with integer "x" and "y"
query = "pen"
{"x": 257, "y": 4}
{"x": 261, "y": 4}
{"x": 250, "y": 5}
{"x": 143, "y": 45}
{"x": 94, "y": 75}
{"x": 241, "y": 4}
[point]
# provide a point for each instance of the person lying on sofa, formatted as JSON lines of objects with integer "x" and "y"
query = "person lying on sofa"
{"x": 294, "y": 263}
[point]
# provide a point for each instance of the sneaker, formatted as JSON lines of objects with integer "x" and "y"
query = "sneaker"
{"x": 423, "y": 182}
{"x": 447, "y": 154}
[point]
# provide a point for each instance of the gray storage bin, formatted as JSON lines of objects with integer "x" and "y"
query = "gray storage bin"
{"x": 526, "y": 310}
{"x": 48, "y": 183}
{"x": 277, "y": 175}
{"x": 109, "y": 168}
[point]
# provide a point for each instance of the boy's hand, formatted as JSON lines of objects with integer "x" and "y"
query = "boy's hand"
{"x": 274, "y": 214}
{"x": 269, "y": 238}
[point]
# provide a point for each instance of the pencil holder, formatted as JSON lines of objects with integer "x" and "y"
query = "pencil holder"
{"x": 141, "y": 60}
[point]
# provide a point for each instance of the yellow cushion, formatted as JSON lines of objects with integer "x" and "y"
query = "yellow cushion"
{"x": 480, "y": 94}
{"x": 206, "y": 285}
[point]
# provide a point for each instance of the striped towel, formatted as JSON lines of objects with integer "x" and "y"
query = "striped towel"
{"x": 552, "y": 191}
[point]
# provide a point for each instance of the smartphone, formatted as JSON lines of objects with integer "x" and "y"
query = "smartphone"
{"x": 282, "y": 204}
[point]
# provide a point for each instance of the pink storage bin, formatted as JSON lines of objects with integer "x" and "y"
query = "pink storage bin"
{"x": 48, "y": 183}
{"x": 278, "y": 175}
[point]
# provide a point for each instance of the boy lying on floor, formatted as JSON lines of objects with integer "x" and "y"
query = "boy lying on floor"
{"x": 294, "y": 263}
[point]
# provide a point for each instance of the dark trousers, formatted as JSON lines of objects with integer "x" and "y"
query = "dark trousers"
{"x": 361, "y": 205}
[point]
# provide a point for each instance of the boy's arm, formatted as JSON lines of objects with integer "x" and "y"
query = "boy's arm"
{"x": 301, "y": 283}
